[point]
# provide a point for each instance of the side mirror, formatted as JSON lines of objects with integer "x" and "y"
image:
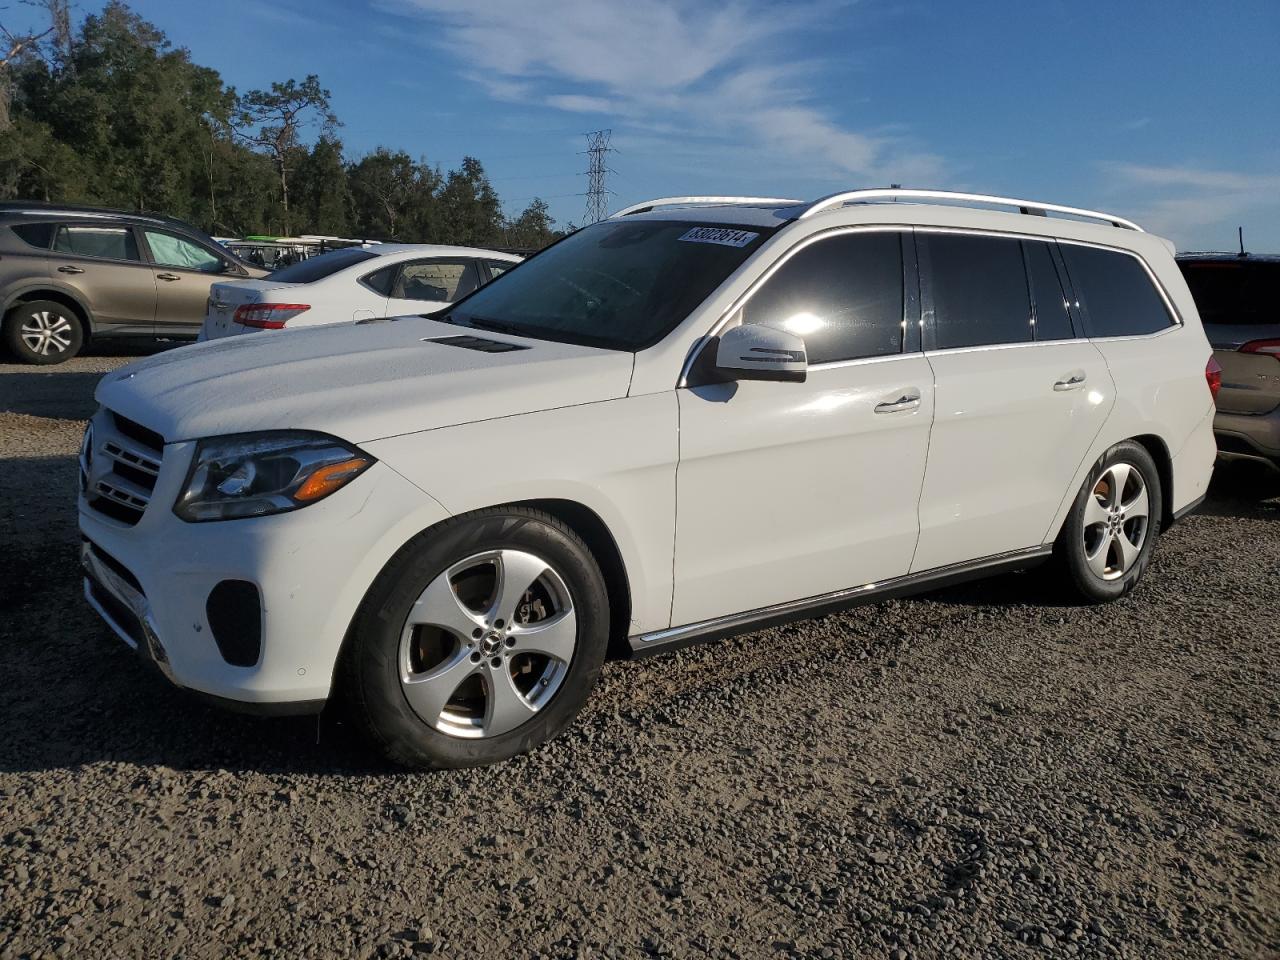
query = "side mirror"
{"x": 756, "y": 352}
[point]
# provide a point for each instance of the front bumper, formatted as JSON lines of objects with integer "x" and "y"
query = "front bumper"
{"x": 151, "y": 582}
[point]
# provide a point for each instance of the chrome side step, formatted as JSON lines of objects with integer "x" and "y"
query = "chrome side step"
{"x": 762, "y": 617}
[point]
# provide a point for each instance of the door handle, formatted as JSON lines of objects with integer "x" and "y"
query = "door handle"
{"x": 167, "y": 276}
{"x": 908, "y": 399}
{"x": 70, "y": 269}
{"x": 1072, "y": 381}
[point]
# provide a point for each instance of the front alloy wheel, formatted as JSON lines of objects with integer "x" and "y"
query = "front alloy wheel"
{"x": 487, "y": 644}
{"x": 479, "y": 640}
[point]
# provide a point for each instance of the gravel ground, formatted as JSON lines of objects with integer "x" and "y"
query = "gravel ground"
{"x": 982, "y": 771}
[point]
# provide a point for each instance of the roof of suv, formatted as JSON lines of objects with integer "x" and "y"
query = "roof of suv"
{"x": 33, "y": 210}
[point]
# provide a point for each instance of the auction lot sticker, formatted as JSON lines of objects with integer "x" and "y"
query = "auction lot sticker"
{"x": 728, "y": 238}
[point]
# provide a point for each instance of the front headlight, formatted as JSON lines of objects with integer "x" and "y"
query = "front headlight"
{"x": 254, "y": 474}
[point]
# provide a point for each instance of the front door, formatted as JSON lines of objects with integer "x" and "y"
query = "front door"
{"x": 787, "y": 491}
{"x": 1020, "y": 395}
{"x": 184, "y": 272}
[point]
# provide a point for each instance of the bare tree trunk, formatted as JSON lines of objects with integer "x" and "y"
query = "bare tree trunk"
{"x": 284, "y": 196}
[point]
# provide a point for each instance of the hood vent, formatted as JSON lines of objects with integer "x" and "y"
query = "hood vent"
{"x": 477, "y": 343}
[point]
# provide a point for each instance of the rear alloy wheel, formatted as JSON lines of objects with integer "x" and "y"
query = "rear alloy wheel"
{"x": 1109, "y": 535}
{"x": 43, "y": 332}
{"x": 481, "y": 639}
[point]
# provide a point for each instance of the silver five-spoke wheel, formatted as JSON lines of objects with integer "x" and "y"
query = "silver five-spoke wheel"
{"x": 487, "y": 644}
{"x": 1116, "y": 521}
{"x": 44, "y": 331}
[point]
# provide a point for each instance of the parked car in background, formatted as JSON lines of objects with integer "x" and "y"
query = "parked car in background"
{"x": 1238, "y": 296}
{"x": 71, "y": 274}
{"x": 696, "y": 418}
{"x": 358, "y": 283}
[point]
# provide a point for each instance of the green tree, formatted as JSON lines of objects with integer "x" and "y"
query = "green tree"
{"x": 320, "y": 185}
{"x": 533, "y": 229}
{"x": 272, "y": 120}
{"x": 470, "y": 212}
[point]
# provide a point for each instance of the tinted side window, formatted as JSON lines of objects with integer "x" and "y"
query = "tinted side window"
{"x": 110, "y": 243}
{"x": 842, "y": 295}
{"x": 36, "y": 234}
{"x": 446, "y": 280}
{"x": 1118, "y": 296}
{"x": 1053, "y": 317}
{"x": 380, "y": 280}
{"x": 979, "y": 290}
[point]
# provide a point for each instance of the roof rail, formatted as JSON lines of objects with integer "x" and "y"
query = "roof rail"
{"x": 1031, "y": 207}
{"x": 701, "y": 201}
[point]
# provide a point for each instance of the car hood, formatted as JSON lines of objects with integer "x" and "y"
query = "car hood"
{"x": 360, "y": 382}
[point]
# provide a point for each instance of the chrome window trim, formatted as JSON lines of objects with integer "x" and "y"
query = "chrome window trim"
{"x": 741, "y": 300}
{"x": 1151, "y": 275}
{"x": 978, "y": 348}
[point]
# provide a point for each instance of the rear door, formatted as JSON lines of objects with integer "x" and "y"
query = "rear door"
{"x": 184, "y": 270}
{"x": 103, "y": 263}
{"x": 1020, "y": 395}
{"x": 427, "y": 285}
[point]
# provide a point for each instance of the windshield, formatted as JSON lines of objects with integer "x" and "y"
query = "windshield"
{"x": 617, "y": 284}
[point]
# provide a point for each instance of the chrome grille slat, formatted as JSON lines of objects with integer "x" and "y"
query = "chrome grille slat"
{"x": 118, "y": 471}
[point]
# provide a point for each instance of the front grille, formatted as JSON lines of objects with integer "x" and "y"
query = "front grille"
{"x": 119, "y": 463}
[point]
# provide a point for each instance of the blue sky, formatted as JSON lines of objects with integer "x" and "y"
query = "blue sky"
{"x": 1163, "y": 111}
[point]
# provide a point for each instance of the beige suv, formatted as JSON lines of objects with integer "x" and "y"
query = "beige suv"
{"x": 69, "y": 275}
{"x": 1237, "y": 295}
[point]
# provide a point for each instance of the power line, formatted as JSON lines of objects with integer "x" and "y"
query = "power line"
{"x": 597, "y": 193}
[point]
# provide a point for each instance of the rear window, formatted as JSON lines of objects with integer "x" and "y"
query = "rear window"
{"x": 326, "y": 264}
{"x": 1234, "y": 292}
{"x": 1119, "y": 297}
{"x": 37, "y": 235}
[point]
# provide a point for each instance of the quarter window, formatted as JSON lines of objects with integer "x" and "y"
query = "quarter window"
{"x": 979, "y": 290}
{"x": 1119, "y": 298}
{"x": 109, "y": 243}
{"x": 498, "y": 267}
{"x": 1053, "y": 316}
{"x": 170, "y": 250}
{"x": 380, "y": 280}
{"x": 843, "y": 295}
{"x": 34, "y": 234}
{"x": 439, "y": 280}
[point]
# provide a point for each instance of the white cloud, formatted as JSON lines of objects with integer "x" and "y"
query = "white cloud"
{"x": 1184, "y": 202}
{"x": 679, "y": 69}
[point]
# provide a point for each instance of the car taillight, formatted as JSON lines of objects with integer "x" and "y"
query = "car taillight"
{"x": 1271, "y": 347}
{"x": 1213, "y": 374}
{"x": 268, "y": 316}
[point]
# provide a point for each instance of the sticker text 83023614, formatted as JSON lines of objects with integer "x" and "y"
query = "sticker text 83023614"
{"x": 726, "y": 237}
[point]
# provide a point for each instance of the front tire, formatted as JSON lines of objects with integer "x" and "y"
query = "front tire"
{"x": 480, "y": 640}
{"x": 1107, "y": 540}
{"x": 43, "y": 332}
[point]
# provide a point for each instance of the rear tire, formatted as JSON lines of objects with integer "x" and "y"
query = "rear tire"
{"x": 43, "y": 332}
{"x": 456, "y": 661}
{"x": 1108, "y": 537}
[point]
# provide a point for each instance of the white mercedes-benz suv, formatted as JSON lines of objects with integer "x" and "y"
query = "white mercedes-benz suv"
{"x": 698, "y": 417}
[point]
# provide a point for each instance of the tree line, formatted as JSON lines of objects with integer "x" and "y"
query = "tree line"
{"x": 113, "y": 114}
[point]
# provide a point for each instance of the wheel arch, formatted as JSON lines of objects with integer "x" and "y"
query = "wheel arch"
{"x": 1159, "y": 451}
{"x": 56, "y": 295}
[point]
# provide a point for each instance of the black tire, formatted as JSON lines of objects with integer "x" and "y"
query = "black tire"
{"x": 371, "y": 675}
{"x": 1077, "y": 537}
{"x": 43, "y": 314}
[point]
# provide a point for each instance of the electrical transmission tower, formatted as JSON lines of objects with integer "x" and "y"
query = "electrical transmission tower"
{"x": 597, "y": 193}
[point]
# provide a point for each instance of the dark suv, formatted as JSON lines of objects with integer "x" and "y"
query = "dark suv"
{"x": 1237, "y": 296}
{"x": 71, "y": 274}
